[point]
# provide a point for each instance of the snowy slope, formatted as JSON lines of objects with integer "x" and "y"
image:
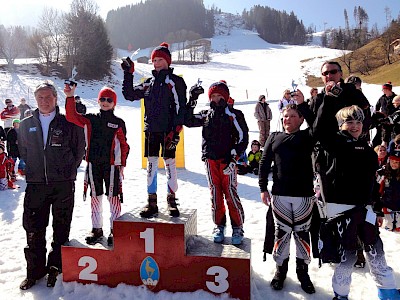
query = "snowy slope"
{"x": 251, "y": 65}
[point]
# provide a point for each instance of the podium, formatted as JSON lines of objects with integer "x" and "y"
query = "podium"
{"x": 162, "y": 253}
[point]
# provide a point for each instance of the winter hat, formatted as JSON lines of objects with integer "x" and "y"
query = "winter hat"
{"x": 387, "y": 85}
{"x": 16, "y": 121}
{"x": 162, "y": 51}
{"x": 261, "y": 98}
{"x": 255, "y": 142}
{"x": 394, "y": 154}
{"x": 219, "y": 87}
{"x": 107, "y": 92}
{"x": 2, "y": 146}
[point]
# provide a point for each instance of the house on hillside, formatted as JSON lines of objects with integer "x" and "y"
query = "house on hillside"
{"x": 143, "y": 59}
{"x": 396, "y": 46}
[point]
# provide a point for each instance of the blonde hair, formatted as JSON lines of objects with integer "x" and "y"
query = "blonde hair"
{"x": 286, "y": 92}
{"x": 349, "y": 113}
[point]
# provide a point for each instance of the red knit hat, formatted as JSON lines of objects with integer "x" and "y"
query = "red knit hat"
{"x": 162, "y": 51}
{"x": 387, "y": 85}
{"x": 219, "y": 87}
{"x": 107, "y": 92}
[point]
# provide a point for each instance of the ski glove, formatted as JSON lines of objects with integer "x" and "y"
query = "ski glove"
{"x": 231, "y": 166}
{"x": 194, "y": 93}
{"x": 394, "y": 118}
{"x": 128, "y": 65}
{"x": 172, "y": 139}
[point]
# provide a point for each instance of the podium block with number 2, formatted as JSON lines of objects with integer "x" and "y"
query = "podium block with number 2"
{"x": 162, "y": 253}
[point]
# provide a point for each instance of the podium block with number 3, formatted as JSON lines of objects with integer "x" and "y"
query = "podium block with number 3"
{"x": 162, "y": 253}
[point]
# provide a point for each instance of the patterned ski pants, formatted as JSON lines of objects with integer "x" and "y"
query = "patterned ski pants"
{"x": 381, "y": 273}
{"x": 292, "y": 214}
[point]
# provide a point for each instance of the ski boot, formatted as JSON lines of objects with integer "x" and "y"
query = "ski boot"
{"x": 52, "y": 277}
{"x": 110, "y": 239}
{"x": 151, "y": 209}
{"x": 95, "y": 237}
{"x": 219, "y": 234}
{"x": 360, "y": 263}
{"x": 280, "y": 275}
{"x": 27, "y": 284}
{"x": 337, "y": 297}
{"x": 172, "y": 205}
{"x": 303, "y": 277}
{"x": 388, "y": 294}
{"x": 237, "y": 235}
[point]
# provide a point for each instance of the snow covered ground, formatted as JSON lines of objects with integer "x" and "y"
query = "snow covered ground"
{"x": 251, "y": 67}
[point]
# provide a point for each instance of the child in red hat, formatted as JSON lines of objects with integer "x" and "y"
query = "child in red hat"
{"x": 164, "y": 97}
{"x": 106, "y": 154}
{"x": 225, "y": 137}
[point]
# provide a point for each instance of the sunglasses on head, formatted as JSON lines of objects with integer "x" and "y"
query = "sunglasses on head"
{"x": 109, "y": 100}
{"x": 333, "y": 72}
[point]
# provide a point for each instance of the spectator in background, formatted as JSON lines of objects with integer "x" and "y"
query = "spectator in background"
{"x": 28, "y": 113}
{"x": 6, "y": 167}
{"x": 263, "y": 114}
{"x": 2, "y": 134}
{"x": 23, "y": 107}
{"x": 384, "y": 103}
{"x": 254, "y": 157}
{"x": 8, "y": 114}
{"x": 12, "y": 148}
{"x": 313, "y": 94}
{"x": 285, "y": 101}
{"x": 382, "y": 152}
{"x": 355, "y": 80}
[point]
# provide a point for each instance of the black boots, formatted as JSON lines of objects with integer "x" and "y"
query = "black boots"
{"x": 52, "y": 277}
{"x": 304, "y": 278}
{"x": 172, "y": 205}
{"x": 280, "y": 275}
{"x": 360, "y": 263}
{"x": 95, "y": 237}
{"x": 151, "y": 209}
{"x": 110, "y": 239}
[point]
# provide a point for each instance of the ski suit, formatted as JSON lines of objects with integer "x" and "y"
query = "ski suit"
{"x": 106, "y": 150}
{"x": 224, "y": 129}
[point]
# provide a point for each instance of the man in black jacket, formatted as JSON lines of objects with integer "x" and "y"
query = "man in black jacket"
{"x": 43, "y": 139}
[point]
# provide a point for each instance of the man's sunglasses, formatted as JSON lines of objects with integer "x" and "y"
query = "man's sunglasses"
{"x": 109, "y": 100}
{"x": 333, "y": 72}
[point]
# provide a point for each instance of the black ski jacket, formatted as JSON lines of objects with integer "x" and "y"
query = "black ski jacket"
{"x": 164, "y": 99}
{"x": 58, "y": 160}
{"x": 224, "y": 129}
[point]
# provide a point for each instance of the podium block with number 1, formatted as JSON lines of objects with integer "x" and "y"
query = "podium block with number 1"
{"x": 162, "y": 253}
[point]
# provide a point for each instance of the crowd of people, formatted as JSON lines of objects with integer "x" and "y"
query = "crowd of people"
{"x": 333, "y": 185}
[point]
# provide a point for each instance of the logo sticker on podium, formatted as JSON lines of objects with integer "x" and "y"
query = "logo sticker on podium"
{"x": 149, "y": 272}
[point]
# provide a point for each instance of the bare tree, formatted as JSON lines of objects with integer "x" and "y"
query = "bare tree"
{"x": 11, "y": 39}
{"x": 43, "y": 44}
{"x": 388, "y": 14}
{"x": 347, "y": 59}
{"x": 51, "y": 25}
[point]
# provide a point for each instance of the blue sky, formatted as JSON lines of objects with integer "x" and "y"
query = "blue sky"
{"x": 320, "y": 13}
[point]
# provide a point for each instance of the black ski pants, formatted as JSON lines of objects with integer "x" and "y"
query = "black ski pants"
{"x": 39, "y": 200}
